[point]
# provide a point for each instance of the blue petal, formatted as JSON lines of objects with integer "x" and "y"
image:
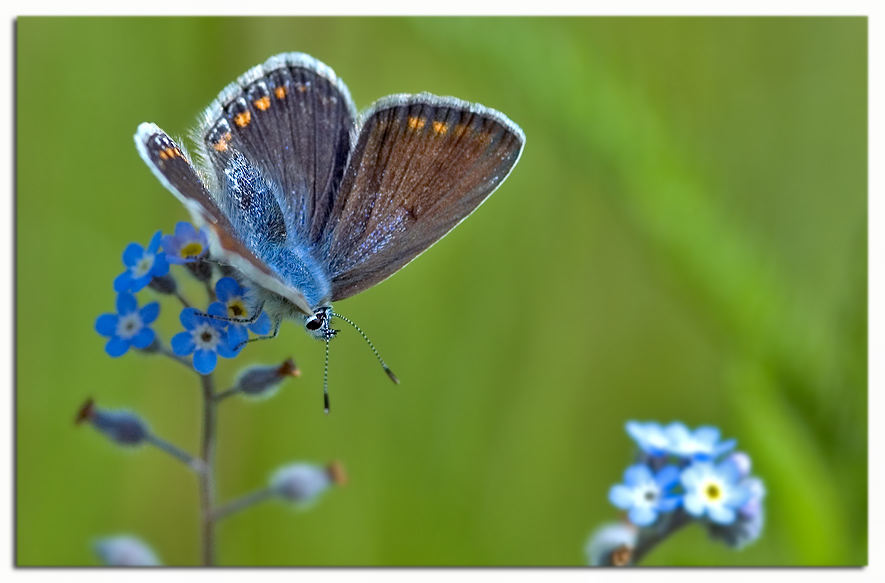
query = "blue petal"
{"x": 693, "y": 504}
{"x": 143, "y": 339}
{"x": 138, "y": 284}
{"x": 168, "y": 243}
{"x": 132, "y": 254}
{"x": 205, "y": 361}
{"x": 217, "y": 309}
{"x": 261, "y": 326}
{"x": 227, "y": 288}
{"x": 226, "y": 349}
{"x": 638, "y": 474}
{"x": 149, "y": 313}
{"x": 183, "y": 343}
{"x": 724, "y": 447}
{"x": 190, "y": 318}
{"x": 693, "y": 474}
{"x": 707, "y": 434}
{"x": 184, "y": 230}
{"x": 126, "y": 303}
{"x": 116, "y": 347}
{"x": 722, "y": 514}
{"x": 669, "y": 503}
{"x": 161, "y": 266}
{"x": 668, "y": 476}
{"x": 155, "y": 242}
{"x": 235, "y": 336}
{"x": 642, "y": 515}
{"x": 123, "y": 282}
{"x": 621, "y": 496}
{"x": 106, "y": 324}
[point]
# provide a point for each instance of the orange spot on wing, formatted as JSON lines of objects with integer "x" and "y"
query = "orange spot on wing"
{"x": 280, "y": 92}
{"x": 416, "y": 123}
{"x": 440, "y": 128}
{"x": 221, "y": 144}
{"x": 262, "y": 103}
{"x": 243, "y": 119}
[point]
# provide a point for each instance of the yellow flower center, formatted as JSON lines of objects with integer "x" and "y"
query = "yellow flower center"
{"x": 191, "y": 250}
{"x": 714, "y": 492}
{"x": 236, "y": 309}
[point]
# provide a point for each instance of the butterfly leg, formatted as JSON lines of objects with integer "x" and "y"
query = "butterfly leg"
{"x": 276, "y": 330}
{"x": 246, "y": 321}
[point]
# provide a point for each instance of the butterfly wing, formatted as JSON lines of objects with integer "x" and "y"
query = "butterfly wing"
{"x": 420, "y": 166}
{"x": 293, "y": 120}
{"x": 170, "y": 165}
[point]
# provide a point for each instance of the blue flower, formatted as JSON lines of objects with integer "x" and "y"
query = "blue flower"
{"x": 650, "y": 437}
{"x": 644, "y": 495}
{"x": 142, "y": 265}
{"x": 187, "y": 245}
{"x": 714, "y": 491}
{"x": 678, "y": 440}
{"x": 232, "y": 304}
{"x": 129, "y": 326}
{"x": 700, "y": 444}
{"x": 205, "y": 337}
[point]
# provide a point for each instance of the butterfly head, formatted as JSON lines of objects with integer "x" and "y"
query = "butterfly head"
{"x": 318, "y": 324}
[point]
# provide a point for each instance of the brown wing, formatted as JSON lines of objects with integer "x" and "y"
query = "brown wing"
{"x": 421, "y": 164}
{"x": 170, "y": 165}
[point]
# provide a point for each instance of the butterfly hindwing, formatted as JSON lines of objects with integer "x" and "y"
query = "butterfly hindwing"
{"x": 421, "y": 165}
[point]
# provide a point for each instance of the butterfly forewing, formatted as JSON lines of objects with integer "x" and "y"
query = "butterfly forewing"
{"x": 170, "y": 165}
{"x": 293, "y": 119}
{"x": 421, "y": 164}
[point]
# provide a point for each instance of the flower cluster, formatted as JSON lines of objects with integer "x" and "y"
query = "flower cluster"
{"x": 222, "y": 330}
{"x": 231, "y": 315}
{"x": 681, "y": 476}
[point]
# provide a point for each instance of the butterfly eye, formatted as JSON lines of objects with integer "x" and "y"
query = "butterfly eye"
{"x": 313, "y": 323}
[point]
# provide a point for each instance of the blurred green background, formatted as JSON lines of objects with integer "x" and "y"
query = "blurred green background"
{"x": 684, "y": 238}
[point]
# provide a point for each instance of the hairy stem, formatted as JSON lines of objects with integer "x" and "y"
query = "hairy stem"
{"x": 189, "y": 460}
{"x": 207, "y": 477}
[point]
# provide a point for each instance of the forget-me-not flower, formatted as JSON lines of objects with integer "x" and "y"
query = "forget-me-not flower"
{"x": 645, "y": 494}
{"x": 714, "y": 491}
{"x": 142, "y": 265}
{"x": 203, "y": 336}
{"x": 232, "y": 304}
{"x": 130, "y": 326}
{"x": 701, "y": 444}
{"x": 186, "y": 245}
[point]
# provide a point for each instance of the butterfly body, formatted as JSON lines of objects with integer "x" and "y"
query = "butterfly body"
{"x": 309, "y": 201}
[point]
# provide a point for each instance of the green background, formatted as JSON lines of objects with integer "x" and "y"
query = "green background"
{"x": 684, "y": 238}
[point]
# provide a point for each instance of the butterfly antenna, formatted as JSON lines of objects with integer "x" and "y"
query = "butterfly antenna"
{"x": 326, "y": 382}
{"x": 372, "y": 346}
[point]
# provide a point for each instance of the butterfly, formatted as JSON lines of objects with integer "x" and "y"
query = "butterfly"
{"x": 311, "y": 202}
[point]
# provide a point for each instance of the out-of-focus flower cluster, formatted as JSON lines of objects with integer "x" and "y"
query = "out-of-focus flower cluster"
{"x": 680, "y": 476}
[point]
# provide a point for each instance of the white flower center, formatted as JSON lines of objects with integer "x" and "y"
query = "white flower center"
{"x": 206, "y": 337}
{"x": 646, "y": 494}
{"x": 129, "y": 325}
{"x": 143, "y": 266}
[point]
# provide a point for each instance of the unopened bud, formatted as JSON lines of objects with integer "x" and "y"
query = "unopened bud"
{"x": 164, "y": 284}
{"x": 611, "y": 545}
{"x": 119, "y": 426}
{"x": 263, "y": 381}
{"x": 202, "y": 270}
{"x": 125, "y": 551}
{"x": 302, "y": 484}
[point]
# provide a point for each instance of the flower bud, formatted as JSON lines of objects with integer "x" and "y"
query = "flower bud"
{"x": 201, "y": 270}
{"x": 611, "y": 545}
{"x": 302, "y": 484}
{"x": 263, "y": 381}
{"x": 125, "y": 551}
{"x": 164, "y": 284}
{"x": 120, "y": 426}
